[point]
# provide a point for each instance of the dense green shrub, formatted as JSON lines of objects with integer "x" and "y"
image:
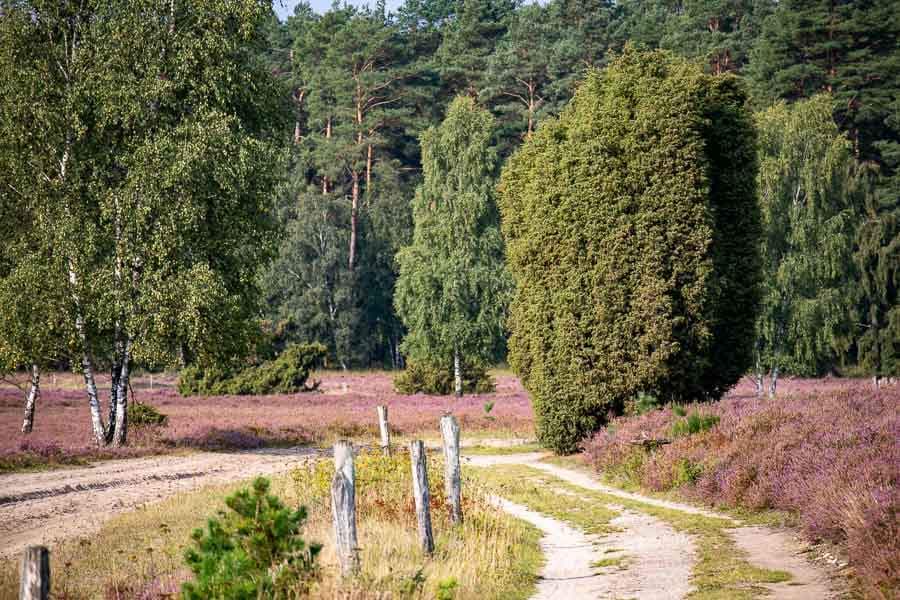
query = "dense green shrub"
{"x": 438, "y": 380}
{"x": 694, "y": 423}
{"x": 632, "y": 234}
{"x": 254, "y": 551}
{"x": 144, "y": 415}
{"x": 286, "y": 374}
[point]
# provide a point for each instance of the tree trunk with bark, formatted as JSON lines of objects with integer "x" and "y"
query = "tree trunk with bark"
{"x": 773, "y": 382}
{"x": 457, "y": 374}
{"x": 120, "y": 432}
{"x": 354, "y": 217}
{"x": 87, "y": 365}
{"x": 759, "y": 377}
{"x": 34, "y": 394}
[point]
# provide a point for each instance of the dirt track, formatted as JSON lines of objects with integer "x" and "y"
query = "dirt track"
{"x": 660, "y": 558}
{"x": 41, "y": 508}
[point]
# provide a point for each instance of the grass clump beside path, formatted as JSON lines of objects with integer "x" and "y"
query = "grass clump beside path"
{"x": 721, "y": 570}
{"x": 141, "y": 553}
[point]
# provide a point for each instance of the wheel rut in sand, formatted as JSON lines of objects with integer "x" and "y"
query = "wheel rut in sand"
{"x": 49, "y": 506}
{"x": 656, "y": 560}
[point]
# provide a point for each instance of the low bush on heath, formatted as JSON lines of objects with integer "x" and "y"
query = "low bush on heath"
{"x": 430, "y": 379}
{"x": 286, "y": 374}
{"x": 831, "y": 458}
{"x": 141, "y": 414}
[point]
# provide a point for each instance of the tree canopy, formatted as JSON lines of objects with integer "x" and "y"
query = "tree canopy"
{"x": 452, "y": 289}
{"x": 632, "y": 233}
{"x": 147, "y": 191}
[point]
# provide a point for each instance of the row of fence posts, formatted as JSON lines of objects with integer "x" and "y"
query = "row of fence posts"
{"x": 35, "y": 580}
{"x": 343, "y": 489}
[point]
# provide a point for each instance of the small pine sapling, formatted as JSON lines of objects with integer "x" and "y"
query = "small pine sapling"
{"x": 253, "y": 551}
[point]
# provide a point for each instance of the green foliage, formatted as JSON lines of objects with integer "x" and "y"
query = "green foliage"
{"x": 632, "y": 234}
{"x": 345, "y": 201}
{"x": 286, "y": 374}
{"x": 253, "y": 551}
{"x": 144, "y": 207}
{"x": 446, "y": 588}
{"x": 426, "y": 378}
{"x": 695, "y": 422}
{"x": 685, "y": 471}
{"x": 809, "y": 193}
{"x": 453, "y": 287}
{"x": 641, "y": 403}
{"x": 141, "y": 414}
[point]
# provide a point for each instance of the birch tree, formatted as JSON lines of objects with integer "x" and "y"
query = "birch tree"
{"x": 453, "y": 288}
{"x": 149, "y": 184}
{"x": 808, "y": 193}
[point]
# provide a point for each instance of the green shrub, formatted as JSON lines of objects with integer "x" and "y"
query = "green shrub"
{"x": 632, "y": 232}
{"x": 254, "y": 551}
{"x": 144, "y": 415}
{"x": 694, "y": 423}
{"x": 685, "y": 471}
{"x": 446, "y": 589}
{"x": 286, "y": 374}
{"x": 430, "y": 379}
{"x": 640, "y": 404}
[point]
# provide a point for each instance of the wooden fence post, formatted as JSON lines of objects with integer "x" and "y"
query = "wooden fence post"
{"x": 420, "y": 493}
{"x": 450, "y": 433}
{"x": 385, "y": 432}
{"x": 343, "y": 460}
{"x": 343, "y": 509}
{"x": 35, "y": 582}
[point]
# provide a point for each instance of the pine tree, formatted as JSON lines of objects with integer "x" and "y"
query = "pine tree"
{"x": 452, "y": 289}
{"x": 469, "y": 41}
{"x": 520, "y": 84}
{"x": 808, "y": 190}
{"x": 632, "y": 230}
{"x": 350, "y": 68}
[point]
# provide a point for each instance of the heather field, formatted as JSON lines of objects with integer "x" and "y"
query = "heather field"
{"x": 826, "y": 452}
{"x": 344, "y": 407}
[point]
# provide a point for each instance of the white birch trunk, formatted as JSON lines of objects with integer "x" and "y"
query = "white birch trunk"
{"x": 759, "y": 377}
{"x": 457, "y": 374}
{"x": 120, "y": 433}
{"x": 34, "y": 394}
{"x": 773, "y": 382}
{"x": 87, "y": 365}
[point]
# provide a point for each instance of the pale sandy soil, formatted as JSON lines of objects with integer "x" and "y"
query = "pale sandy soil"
{"x": 45, "y": 507}
{"x": 658, "y": 559}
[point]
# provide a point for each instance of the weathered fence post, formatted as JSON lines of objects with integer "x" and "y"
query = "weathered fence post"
{"x": 35, "y": 583}
{"x": 385, "y": 432}
{"x": 343, "y": 460}
{"x": 450, "y": 433}
{"x": 420, "y": 493}
{"x": 343, "y": 509}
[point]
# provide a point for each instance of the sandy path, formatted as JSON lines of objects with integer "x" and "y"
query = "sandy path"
{"x": 655, "y": 565}
{"x": 568, "y": 572}
{"x": 656, "y": 559}
{"x": 45, "y": 507}
{"x": 777, "y": 549}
